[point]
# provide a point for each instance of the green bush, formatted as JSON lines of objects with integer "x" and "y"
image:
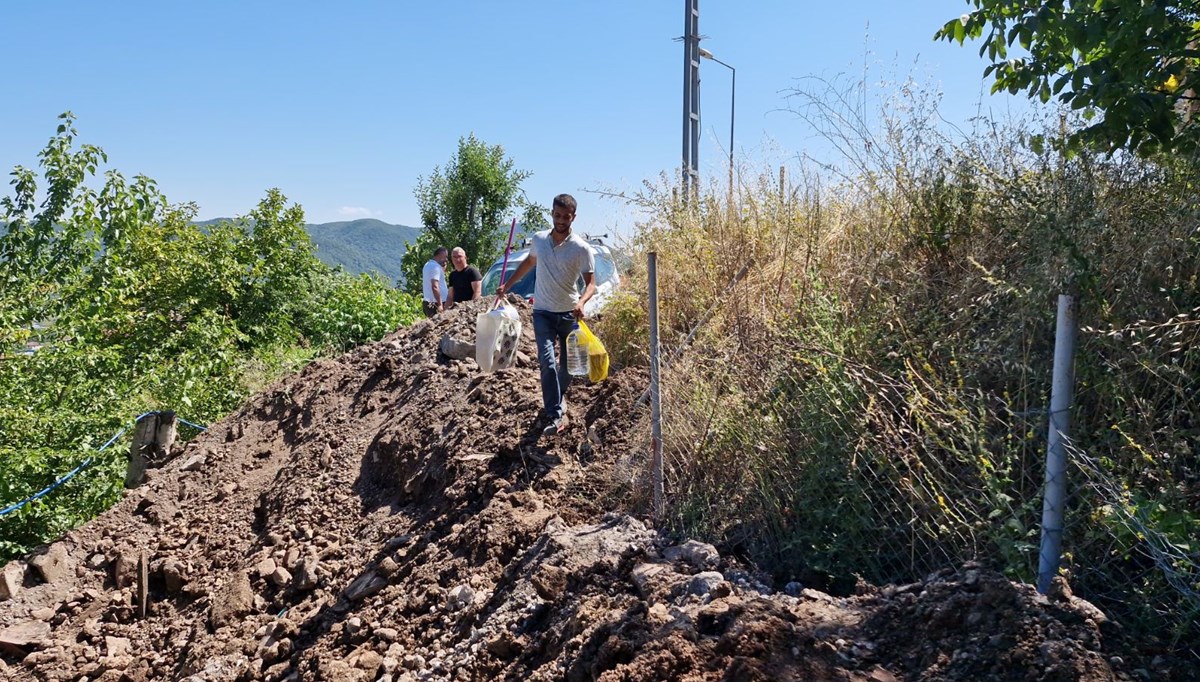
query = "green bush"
{"x": 344, "y": 311}
{"x": 138, "y": 309}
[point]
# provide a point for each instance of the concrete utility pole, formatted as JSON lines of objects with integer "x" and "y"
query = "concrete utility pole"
{"x": 152, "y": 440}
{"x": 691, "y": 98}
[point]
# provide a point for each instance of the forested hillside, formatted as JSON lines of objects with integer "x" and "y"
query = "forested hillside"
{"x": 358, "y": 246}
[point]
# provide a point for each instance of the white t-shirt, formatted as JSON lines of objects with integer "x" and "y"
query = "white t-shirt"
{"x": 558, "y": 267}
{"x": 433, "y": 270}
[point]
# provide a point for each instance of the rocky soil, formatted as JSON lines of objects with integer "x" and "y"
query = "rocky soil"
{"x": 395, "y": 515}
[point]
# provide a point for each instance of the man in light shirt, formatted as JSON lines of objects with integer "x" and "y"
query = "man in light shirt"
{"x": 561, "y": 258}
{"x": 433, "y": 282}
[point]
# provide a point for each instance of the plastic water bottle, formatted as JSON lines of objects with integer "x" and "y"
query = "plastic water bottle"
{"x": 577, "y": 355}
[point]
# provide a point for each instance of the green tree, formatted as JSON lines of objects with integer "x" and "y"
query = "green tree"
{"x": 1132, "y": 62}
{"x": 138, "y": 308}
{"x": 281, "y": 260}
{"x": 468, "y": 203}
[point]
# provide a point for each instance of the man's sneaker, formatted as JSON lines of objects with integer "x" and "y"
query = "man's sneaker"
{"x": 555, "y": 427}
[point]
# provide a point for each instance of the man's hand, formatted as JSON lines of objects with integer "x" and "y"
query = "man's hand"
{"x": 500, "y": 291}
{"x": 589, "y": 289}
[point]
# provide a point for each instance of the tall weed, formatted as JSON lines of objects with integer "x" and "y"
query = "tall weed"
{"x": 871, "y": 398}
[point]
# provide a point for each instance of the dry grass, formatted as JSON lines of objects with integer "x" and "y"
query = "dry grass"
{"x": 871, "y": 398}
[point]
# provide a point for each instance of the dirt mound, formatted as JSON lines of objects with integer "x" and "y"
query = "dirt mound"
{"x": 395, "y": 515}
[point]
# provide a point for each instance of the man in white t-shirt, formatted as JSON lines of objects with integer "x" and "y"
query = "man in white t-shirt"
{"x": 433, "y": 282}
{"x": 561, "y": 258}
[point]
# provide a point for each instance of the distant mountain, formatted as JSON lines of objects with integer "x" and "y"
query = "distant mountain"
{"x": 359, "y": 246}
{"x": 363, "y": 245}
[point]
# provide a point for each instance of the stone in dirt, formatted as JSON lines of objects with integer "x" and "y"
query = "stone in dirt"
{"x": 12, "y": 578}
{"x": 231, "y": 601}
{"x": 708, "y": 583}
{"x": 45, "y": 613}
{"x": 306, "y": 574}
{"x": 265, "y": 567}
{"x": 365, "y": 659}
{"x": 117, "y": 646}
{"x": 173, "y": 576}
{"x": 96, "y": 561}
{"x": 194, "y": 463}
{"x": 30, "y": 634}
{"x": 646, "y": 576}
{"x": 52, "y": 563}
{"x": 125, "y": 568}
{"x": 700, "y": 555}
{"x": 280, "y": 577}
{"x": 460, "y": 598}
{"x": 365, "y": 585}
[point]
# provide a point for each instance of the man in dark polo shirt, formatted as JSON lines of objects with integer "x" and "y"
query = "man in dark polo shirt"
{"x": 464, "y": 279}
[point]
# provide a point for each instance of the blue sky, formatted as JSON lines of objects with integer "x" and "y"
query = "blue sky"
{"x": 344, "y": 105}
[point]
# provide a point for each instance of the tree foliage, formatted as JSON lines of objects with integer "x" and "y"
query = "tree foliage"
{"x": 469, "y": 203}
{"x": 137, "y": 308}
{"x": 1133, "y": 62}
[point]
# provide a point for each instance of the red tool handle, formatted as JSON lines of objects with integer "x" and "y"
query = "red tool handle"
{"x": 507, "y": 247}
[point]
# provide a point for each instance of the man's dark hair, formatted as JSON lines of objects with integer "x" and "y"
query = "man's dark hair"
{"x": 439, "y": 251}
{"x": 565, "y": 201}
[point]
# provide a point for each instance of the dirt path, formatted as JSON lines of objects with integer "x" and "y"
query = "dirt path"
{"x": 392, "y": 515}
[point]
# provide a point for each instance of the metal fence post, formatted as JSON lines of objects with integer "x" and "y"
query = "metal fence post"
{"x": 655, "y": 393}
{"x": 1061, "y": 396}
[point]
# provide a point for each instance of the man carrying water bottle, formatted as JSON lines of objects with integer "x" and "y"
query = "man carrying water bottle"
{"x": 560, "y": 258}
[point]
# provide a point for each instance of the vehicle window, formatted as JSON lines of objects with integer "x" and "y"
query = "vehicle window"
{"x": 605, "y": 272}
{"x": 491, "y": 281}
{"x": 604, "y": 269}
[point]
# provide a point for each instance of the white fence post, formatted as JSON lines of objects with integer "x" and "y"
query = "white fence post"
{"x": 1061, "y": 397}
{"x": 655, "y": 392}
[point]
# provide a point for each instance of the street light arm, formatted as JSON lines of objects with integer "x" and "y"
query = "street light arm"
{"x": 732, "y": 109}
{"x": 720, "y": 62}
{"x": 708, "y": 55}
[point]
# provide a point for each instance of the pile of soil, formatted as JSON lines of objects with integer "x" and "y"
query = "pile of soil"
{"x": 395, "y": 515}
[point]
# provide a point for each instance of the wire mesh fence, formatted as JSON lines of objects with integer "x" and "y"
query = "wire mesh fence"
{"x": 1145, "y": 565}
{"x": 846, "y": 467}
{"x": 822, "y": 466}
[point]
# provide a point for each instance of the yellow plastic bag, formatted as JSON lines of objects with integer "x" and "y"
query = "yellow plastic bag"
{"x": 597, "y": 355}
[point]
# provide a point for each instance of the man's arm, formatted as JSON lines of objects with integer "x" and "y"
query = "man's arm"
{"x": 476, "y": 290}
{"x": 436, "y": 285}
{"x": 589, "y": 289}
{"x": 523, "y": 268}
{"x": 450, "y": 296}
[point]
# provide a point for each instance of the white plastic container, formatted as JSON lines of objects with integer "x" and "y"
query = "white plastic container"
{"x": 496, "y": 335}
{"x": 577, "y": 355}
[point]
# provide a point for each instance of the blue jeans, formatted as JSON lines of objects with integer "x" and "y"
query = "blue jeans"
{"x": 549, "y": 328}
